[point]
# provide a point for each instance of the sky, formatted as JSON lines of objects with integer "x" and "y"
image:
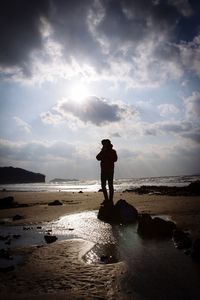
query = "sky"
{"x": 75, "y": 72}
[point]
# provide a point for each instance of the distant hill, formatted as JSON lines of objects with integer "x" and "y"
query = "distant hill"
{"x": 62, "y": 180}
{"x": 17, "y": 175}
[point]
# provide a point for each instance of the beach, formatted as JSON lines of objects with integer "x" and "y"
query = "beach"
{"x": 57, "y": 270}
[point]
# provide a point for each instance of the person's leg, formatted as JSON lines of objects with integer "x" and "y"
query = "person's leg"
{"x": 110, "y": 186}
{"x": 103, "y": 186}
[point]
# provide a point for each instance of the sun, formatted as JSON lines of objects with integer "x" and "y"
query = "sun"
{"x": 79, "y": 92}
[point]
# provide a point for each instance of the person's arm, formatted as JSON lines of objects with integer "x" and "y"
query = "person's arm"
{"x": 99, "y": 156}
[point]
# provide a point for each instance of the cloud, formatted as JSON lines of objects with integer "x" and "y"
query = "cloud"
{"x": 167, "y": 110}
{"x": 125, "y": 41}
{"x": 20, "y": 23}
{"x": 192, "y": 106}
{"x": 93, "y": 110}
{"x": 183, "y": 6}
{"x": 36, "y": 151}
{"x": 22, "y": 125}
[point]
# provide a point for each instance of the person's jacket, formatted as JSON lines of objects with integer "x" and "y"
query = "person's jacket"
{"x": 107, "y": 157}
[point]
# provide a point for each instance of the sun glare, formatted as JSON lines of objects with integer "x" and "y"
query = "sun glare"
{"x": 79, "y": 92}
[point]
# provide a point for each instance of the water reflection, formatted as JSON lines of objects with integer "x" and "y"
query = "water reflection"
{"x": 155, "y": 269}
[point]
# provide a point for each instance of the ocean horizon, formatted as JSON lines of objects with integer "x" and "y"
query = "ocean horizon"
{"x": 94, "y": 185}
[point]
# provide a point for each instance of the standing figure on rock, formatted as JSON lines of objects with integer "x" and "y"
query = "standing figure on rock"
{"x": 108, "y": 157}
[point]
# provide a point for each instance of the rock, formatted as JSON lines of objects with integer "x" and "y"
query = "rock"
{"x": 125, "y": 212}
{"x": 17, "y": 175}
{"x": 80, "y": 192}
{"x": 106, "y": 213}
{"x": 50, "y": 239}
{"x": 181, "y": 239}
{"x": 121, "y": 212}
{"x": 195, "y": 251}
{"x": 7, "y": 202}
{"x": 193, "y": 189}
{"x": 17, "y": 217}
{"x": 154, "y": 227}
{"x": 55, "y": 202}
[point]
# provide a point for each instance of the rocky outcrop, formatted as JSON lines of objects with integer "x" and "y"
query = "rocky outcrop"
{"x": 193, "y": 189}
{"x": 17, "y": 175}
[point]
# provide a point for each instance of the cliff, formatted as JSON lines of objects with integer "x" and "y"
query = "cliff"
{"x": 18, "y": 175}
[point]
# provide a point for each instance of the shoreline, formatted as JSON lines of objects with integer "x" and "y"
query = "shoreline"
{"x": 184, "y": 210}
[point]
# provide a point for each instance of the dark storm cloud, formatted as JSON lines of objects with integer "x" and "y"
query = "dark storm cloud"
{"x": 84, "y": 28}
{"x": 94, "y": 110}
{"x": 20, "y": 30}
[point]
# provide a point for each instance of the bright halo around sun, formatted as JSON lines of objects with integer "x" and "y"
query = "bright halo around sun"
{"x": 79, "y": 92}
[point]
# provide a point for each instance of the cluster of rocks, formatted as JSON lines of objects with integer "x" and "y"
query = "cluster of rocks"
{"x": 150, "y": 227}
{"x": 193, "y": 189}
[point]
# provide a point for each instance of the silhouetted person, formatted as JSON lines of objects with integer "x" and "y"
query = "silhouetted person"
{"x": 108, "y": 157}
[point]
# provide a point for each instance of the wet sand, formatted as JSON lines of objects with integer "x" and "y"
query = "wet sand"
{"x": 56, "y": 271}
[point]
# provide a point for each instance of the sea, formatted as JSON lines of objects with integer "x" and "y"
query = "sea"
{"x": 94, "y": 185}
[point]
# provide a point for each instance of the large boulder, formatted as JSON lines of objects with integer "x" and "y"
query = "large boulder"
{"x": 121, "y": 213}
{"x": 154, "y": 227}
{"x": 125, "y": 212}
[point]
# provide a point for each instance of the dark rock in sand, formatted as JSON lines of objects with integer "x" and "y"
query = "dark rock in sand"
{"x": 121, "y": 212}
{"x": 7, "y": 202}
{"x": 17, "y": 217}
{"x": 50, "y": 239}
{"x": 195, "y": 251}
{"x": 154, "y": 227}
{"x": 181, "y": 239}
{"x": 17, "y": 175}
{"x": 55, "y": 202}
